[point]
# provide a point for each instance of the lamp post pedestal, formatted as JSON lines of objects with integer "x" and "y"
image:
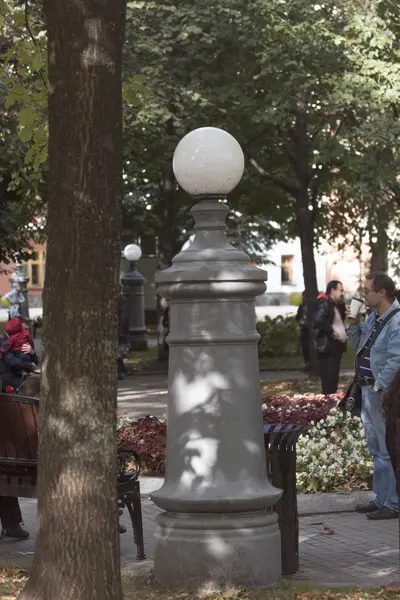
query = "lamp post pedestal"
{"x": 132, "y": 290}
{"x": 218, "y": 526}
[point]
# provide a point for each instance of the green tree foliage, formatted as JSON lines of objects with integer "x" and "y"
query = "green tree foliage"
{"x": 23, "y": 136}
{"x": 174, "y": 50}
{"x": 303, "y": 86}
{"x": 367, "y": 195}
{"x": 310, "y": 91}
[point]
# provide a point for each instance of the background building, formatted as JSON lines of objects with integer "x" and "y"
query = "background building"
{"x": 284, "y": 266}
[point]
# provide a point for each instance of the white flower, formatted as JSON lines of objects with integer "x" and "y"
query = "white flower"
{"x": 333, "y": 455}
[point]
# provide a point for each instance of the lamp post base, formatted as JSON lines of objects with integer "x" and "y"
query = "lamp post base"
{"x": 137, "y": 340}
{"x": 240, "y": 550}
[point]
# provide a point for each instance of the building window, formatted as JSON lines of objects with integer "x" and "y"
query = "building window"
{"x": 35, "y": 278}
{"x": 286, "y": 270}
{"x": 35, "y": 269}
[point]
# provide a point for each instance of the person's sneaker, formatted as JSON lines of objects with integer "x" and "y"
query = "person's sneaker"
{"x": 366, "y": 508}
{"x": 16, "y": 533}
{"x": 122, "y": 529}
{"x": 383, "y": 514}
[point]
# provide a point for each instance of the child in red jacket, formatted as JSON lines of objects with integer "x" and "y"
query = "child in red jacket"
{"x": 11, "y": 347}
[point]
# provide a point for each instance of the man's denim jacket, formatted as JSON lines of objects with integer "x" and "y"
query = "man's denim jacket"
{"x": 385, "y": 353}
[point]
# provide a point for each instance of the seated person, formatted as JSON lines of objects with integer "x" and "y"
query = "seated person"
{"x": 10, "y": 511}
{"x": 17, "y": 337}
{"x": 16, "y": 353}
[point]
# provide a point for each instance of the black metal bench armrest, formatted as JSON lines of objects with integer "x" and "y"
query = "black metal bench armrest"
{"x": 129, "y": 466}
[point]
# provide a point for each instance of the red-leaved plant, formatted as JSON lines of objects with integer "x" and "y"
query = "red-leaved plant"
{"x": 148, "y": 435}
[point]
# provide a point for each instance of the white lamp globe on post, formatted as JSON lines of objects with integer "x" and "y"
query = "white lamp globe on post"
{"x": 133, "y": 319}
{"x": 132, "y": 252}
{"x": 208, "y": 161}
{"x": 218, "y": 525}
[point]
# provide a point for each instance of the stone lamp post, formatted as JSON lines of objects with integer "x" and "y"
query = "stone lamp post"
{"x": 132, "y": 289}
{"x": 19, "y": 282}
{"x": 218, "y": 526}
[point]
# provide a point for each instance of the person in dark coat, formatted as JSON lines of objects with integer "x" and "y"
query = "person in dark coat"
{"x": 391, "y": 406}
{"x": 329, "y": 335}
{"x": 11, "y": 519}
{"x": 10, "y": 511}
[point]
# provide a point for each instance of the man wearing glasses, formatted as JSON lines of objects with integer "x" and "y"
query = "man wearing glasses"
{"x": 377, "y": 363}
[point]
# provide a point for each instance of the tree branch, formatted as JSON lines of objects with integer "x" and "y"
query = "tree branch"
{"x": 28, "y": 27}
{"x": 281, "y": 183}
{"x": 34, "y": 40}
{"x": 291, "y": 154}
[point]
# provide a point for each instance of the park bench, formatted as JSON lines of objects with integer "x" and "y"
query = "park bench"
{"x": 19, "y": 419}
{"x": 280, "y": 449}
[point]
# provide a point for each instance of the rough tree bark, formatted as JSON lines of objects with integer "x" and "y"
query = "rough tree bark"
{"x": 305, "y": 200}
{"x": 379, "y": 242}
{"x": 305, "y": 228}
{"x": 77, "y": 552}
{"x": 379, "y": 254}
{"x": 305, "y": 203}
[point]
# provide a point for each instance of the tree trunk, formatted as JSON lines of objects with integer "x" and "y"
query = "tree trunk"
{"x": 378, "y": 223}
{"x": 305, "y": 227}
{"x": 77, "y": 552}
{"x": 168, "y": 246}
{"x": 379, "y": 249}
{"x": 306, "y": 233}
{"x": 299, "y": 156}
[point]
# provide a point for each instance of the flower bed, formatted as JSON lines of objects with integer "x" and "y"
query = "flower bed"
{"x": 332, "y": 456}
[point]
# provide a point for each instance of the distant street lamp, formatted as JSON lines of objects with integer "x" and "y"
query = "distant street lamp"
{"x": 132, "y": 289}
{"x": 218, "y": 525}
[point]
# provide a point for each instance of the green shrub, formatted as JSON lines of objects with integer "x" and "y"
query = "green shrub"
{"x": 296, "y": 298}
{"x": 279, "y": 337}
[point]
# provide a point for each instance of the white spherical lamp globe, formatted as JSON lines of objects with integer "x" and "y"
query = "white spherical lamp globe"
{"x": 208, "y": 161}
{"x": 132, "y": 252}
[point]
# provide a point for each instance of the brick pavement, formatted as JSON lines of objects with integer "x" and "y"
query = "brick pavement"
{"x": 359, "y": 552}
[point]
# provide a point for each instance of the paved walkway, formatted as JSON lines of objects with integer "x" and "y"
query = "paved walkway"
{"x": 358, "y": 552}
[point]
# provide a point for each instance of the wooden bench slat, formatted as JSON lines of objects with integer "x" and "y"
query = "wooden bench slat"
{"x": 19, "y": 439}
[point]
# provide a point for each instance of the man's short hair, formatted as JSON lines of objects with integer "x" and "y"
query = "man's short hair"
{"x": 332, "y": 285}
{"x": 381, "y": 281}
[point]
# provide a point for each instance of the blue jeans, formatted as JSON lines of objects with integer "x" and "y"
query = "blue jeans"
{"x": 373, "y": 418}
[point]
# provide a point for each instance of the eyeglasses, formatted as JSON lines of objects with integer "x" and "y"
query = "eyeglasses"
{"x": 366, "y": 292}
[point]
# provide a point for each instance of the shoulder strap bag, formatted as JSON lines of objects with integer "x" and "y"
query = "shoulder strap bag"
{"x": 352, "y": 398}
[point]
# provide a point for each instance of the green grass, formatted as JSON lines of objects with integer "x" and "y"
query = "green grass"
{"x": 294, "y": 363}
{"x": 12, "y": 582}
{"x": 147, "y": 361}
{"x": 145, "y": 588}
